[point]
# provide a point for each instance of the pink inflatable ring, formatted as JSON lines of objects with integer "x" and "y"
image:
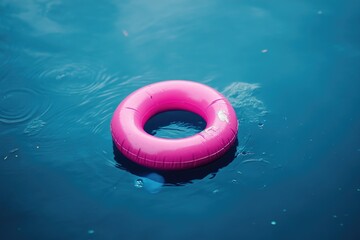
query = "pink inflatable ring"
{"x": 127, "y": 125}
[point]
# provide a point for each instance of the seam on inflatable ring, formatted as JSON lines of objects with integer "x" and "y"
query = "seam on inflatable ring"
{"x": 215, "y": 101}
{"x": 132, "y": 109}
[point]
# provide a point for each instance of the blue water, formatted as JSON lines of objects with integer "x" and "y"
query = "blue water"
{"x": 290, "y": 69}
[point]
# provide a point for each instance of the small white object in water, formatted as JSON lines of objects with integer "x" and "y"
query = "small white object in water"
{"x": 14, "y": 150}
{"x": 91, "y": 231}
{"x": 273, "y": 222}
{"x": 139, "y": 183}
{"x": 264, "y": 50}
{"x": 320, "y": 12}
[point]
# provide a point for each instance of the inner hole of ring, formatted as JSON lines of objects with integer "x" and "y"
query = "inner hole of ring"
{"x": 175, "y": 124}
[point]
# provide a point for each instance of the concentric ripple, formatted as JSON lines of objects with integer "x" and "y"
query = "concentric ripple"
{"x": 18, "y": 105}
{"x": 100, "y": 106}
{"x": 68, "y": 78}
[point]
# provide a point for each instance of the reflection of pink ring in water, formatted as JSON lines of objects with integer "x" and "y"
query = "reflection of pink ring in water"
{"x": 127, "y": 125}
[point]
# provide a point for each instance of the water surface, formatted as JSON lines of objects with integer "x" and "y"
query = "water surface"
{"x": 290, "y": 69}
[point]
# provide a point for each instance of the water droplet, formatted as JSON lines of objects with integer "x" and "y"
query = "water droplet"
{"x": 244, "y": 153}
{"x": 273, "y": 222}
{"x": 215, "y": 191}
{"x": 14, "y": 150}
{"x": 139, "y": 183}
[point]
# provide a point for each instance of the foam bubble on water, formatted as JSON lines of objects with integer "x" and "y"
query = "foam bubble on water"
{"x": 139, "y": 183}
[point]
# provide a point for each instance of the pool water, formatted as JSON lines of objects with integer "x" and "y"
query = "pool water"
{"x": 289, "y": 68}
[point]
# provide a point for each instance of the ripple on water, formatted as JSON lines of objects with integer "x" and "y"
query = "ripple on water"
{"x": 7, "y": 60}
{"x": 34, "y": 126}
{"x": 241, "y": 96}
{"x": 67, "y": 78}
{"x": 19, "y": 105}
{"x": 100, "y": 106}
